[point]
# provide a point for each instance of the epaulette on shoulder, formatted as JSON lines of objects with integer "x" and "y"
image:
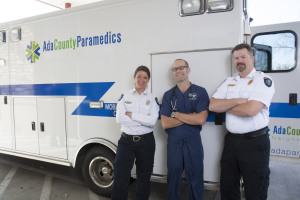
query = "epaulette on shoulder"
{"x": 121, "y": 97}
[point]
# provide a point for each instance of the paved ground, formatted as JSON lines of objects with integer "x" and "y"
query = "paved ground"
{"x": 23, "y": 179}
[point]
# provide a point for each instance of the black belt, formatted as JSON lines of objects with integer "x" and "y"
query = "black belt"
{"x": 252, "y": 134}
{"x": 136, "y": 138}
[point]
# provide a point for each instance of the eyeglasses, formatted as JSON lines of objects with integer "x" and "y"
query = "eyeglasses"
{"x": 174, "y": 69}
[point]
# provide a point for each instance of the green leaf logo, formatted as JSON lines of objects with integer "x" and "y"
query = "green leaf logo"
{"x": 32, "y": 51}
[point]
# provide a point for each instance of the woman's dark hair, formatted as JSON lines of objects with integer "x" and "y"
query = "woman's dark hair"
{"x": 142, "y": 68}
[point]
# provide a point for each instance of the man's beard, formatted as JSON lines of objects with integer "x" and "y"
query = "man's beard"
{"x": 241, "y": 67}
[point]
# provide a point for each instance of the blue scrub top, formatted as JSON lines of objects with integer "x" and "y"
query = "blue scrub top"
{"x": 197, "y": 103}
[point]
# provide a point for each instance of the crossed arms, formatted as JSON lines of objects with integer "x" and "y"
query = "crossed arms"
{"x": 238, "y": 106}
{"x": 182, "y": 118}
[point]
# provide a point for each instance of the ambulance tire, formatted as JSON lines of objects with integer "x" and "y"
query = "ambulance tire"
{"x": 98, "y": 170}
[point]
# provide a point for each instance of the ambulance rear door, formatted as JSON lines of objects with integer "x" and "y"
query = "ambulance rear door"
{"x": 209, "y": 68}
{"x": 6, "y": 137}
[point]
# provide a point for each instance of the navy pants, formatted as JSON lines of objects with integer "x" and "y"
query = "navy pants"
{"x": 247, "y": 158}
{"x": 142, "y": 152}
{"x": 185, "y": 153}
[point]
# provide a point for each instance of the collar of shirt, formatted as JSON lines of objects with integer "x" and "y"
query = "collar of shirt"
{"x": 135, "y": 92}
{"x": 237, "y": 77}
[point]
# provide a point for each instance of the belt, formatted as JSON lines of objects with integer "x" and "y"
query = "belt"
{"x": 252, "y": 134}
{"x": 136, "y": 138}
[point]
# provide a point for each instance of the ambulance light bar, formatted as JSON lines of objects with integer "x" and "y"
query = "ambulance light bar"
{"x": 219, "y": 5}
{"x": 15, "y": 34}
{"x": 191, "y": 7}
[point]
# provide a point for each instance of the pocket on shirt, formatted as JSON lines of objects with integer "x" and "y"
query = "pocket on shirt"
{"x": 231, "y": 92}
{"x": 246, "y": 91}
{"x": 244, "y": 94}
{"x": 145, "y": 109}
{"x": 129, "y": 107}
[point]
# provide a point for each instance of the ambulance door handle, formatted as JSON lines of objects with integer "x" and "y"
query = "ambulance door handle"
{"x": 219, "y": 118}
{"x": 33, "y": 126}
{"x": 5, "y": 99}
{"x": 293, "y": 99}
{"x": 42, "y": 125}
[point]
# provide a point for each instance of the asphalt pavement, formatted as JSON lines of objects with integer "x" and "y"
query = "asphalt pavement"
{"x": 25, "y": 179}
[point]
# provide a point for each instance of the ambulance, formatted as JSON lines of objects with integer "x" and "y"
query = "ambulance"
{"x": 62, "y": 73}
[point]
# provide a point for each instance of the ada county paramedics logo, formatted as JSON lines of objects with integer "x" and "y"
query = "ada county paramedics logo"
{"x": 32, "y": 51}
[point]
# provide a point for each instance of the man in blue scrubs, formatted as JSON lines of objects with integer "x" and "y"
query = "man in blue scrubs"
{"x": 184, "y": 110}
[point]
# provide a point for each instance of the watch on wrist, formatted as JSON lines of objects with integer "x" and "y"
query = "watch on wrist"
{"x": 173, "y": 114}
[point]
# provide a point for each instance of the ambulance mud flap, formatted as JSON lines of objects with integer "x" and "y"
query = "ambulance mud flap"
{"x": 98, "y": 170}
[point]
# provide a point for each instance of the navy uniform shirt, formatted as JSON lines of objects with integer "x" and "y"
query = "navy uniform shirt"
{"x": 196, "y": 104}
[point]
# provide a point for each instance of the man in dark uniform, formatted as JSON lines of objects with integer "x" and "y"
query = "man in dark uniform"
{"x": 184, "y": 110}
{"x": 246, "y": 99}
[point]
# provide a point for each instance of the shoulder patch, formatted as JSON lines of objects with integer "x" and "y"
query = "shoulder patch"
{"x": 156, "y": 100}
{"x": 267, "y": 81}
{"x": 121, "y": 97}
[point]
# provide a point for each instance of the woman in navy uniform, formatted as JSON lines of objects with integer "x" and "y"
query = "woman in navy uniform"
{"x": 137, "y": 112}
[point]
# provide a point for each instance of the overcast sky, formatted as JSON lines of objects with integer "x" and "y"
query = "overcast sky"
{"x": 262, "y": 11}
{"x": 273, "y": 11}
{"x": 17, "y": 9}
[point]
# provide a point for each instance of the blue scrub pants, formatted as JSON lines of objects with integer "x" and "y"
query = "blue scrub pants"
{"x": 185, "y": 153}
{"x": 143, "y": 154}
{"x": 247, "y": 158}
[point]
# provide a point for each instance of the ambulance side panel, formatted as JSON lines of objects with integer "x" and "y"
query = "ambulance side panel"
{"x": 285, "y": 109}
{"x": 62, "y": 61}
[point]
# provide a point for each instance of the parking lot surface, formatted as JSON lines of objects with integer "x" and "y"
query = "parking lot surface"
{"x": 24, "y": 179}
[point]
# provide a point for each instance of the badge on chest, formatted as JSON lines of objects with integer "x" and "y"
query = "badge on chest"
{"x": 148, "y": 102}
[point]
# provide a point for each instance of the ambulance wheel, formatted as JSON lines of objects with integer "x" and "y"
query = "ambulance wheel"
{"x": 98, "y": 170}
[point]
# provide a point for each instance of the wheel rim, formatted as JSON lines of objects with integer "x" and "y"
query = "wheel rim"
{"x": 101, "y": 172}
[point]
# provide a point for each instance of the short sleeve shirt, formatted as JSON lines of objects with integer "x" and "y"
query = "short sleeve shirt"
{"x": 256, "y": 86}
{"x": 185, "y": 103}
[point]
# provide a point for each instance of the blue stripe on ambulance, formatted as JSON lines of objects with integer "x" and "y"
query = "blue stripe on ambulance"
{"x": 92, "y": 91}
{"x": 284, "y": 110}
{"x": 279, "y": 110}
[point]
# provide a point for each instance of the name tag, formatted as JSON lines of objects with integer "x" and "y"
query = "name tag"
{"x": 128, "y": 102}
{"x": 148, "y": 102}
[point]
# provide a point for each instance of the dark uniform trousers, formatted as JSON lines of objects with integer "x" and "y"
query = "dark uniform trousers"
{"x": 143, "y": 153}
{"x": 185, "y": 153}
{"x": 247, "y": 158}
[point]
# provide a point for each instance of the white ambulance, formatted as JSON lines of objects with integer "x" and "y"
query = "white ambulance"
{"x": 61, "y": 75}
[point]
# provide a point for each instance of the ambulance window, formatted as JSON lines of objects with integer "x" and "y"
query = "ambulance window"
{"x": 275, "y": 51}
{"x": 261, "y": 60}
{"x": 2, "y": 37}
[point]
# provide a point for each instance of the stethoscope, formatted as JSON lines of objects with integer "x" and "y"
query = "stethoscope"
{"x": 190, "y": 95}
